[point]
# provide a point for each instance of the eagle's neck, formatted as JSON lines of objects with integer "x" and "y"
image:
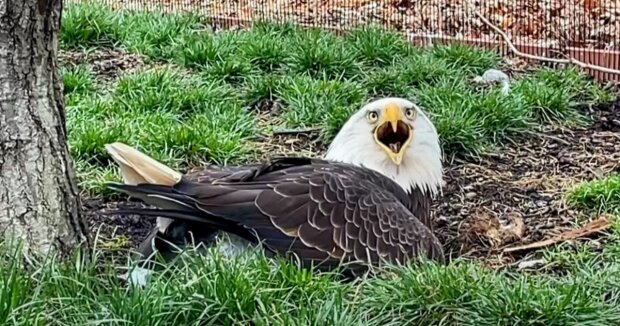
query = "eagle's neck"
{"x": 420, "y": 202}
{"x": 420, "y": 172}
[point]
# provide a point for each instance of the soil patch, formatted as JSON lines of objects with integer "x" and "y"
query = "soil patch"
{"x": 107, "y": 63}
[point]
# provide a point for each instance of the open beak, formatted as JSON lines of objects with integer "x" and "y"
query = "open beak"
{"x": 393, "y": 134}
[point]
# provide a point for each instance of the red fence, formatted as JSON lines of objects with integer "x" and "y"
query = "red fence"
{"x": 587, "y": 30}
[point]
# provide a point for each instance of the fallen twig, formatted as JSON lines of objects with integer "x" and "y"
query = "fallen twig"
{"x": 295, "y": 131}
{"x": 590, "y": 228}
{"x": 514, "y": 49}
{"x": 543, "y": 135}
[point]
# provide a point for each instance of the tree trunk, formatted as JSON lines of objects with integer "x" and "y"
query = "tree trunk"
{"x": 39, "y": 199}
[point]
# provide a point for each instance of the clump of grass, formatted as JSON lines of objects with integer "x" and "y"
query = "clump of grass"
{"x": 389, "y": 81}
{"x": 232, "y": 71}
{"x": 468, "y": 294}
{"x": 199, "y": 50}
{"x": 554, "y": 94}
{"x": 426, "y": 69}
{"x": 260, "y": 88}
{"x": 275, "y": 28}
{"x": 156, "y": 34}
{"x": 601, "y": 195}
{"x": 90, "y": 25}
{"x": 501, "y": 117}
{"x": 77, "y": 81}
{"x": 265, "y": 48}
{"x": 310, "y": 101}
{"x": 467, "y": 58}
{"x": 375, "y": 46}
{"x": 320, "y": 54}
{"x": 445, "y": 107}
{"x": 470, "y": 123}
{"x": 408, "y": 75}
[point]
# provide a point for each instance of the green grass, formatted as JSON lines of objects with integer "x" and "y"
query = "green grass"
{"x": 600, "y": 195}
{"x": 553, "y": 95}
{"x": 251, "y": 289}
{"x": 198, "y": 109}
{"x": 172, "y": 115}
{"x": 78, "y": 81}
{"x": 90, "y": 25}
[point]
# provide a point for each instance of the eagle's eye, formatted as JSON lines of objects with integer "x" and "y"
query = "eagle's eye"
{"x": 372, "y": 116}
{"x": 410, "y": 113}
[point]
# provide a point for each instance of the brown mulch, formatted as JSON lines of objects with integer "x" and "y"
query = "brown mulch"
{"x": 561, "y": 23}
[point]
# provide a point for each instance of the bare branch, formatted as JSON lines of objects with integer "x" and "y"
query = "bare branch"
{"x": 588, "y": 229}
{"x": 296, "y": 131}
{"x": 539, "y": 58}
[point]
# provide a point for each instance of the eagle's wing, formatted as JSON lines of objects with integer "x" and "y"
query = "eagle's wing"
{"x": 179, "y": 232}
{"x": 211, "y": 173}
{"x": 333, "y": 217}
{"x": 324, "y": 212}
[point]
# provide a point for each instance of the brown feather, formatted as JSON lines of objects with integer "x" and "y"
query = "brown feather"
{"x": 316, "y": 209}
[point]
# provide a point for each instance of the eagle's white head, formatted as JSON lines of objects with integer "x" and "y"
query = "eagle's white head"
{"x": 394, "y": 137}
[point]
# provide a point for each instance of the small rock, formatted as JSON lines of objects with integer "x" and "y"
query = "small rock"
{"x": 291, "y": 141}
{"x": 541, "y": 203}
{"x": 443, "y": 220}
{"x": 137, "y": 277}
{"x": 470, "y": 195}
{"x": 531, "y": 263}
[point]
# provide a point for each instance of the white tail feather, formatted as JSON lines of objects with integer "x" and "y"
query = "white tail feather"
{"x": 137, "y": 167}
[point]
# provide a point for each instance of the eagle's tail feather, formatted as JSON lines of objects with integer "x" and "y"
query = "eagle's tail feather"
{"x": 169, "y": 205}
{"x": 137, "y": 167}
{"x": 169, "y": 213}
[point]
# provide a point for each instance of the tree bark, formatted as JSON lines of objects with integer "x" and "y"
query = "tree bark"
{"x": 39, "y": 198}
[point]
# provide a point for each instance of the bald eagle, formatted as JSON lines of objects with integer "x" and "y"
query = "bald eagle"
{"x": 365, "y": 204}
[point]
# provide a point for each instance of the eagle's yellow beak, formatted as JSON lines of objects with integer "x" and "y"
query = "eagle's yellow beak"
{"x": 393, "y": 134}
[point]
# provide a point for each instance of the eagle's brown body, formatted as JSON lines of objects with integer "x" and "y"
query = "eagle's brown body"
{"x": 326, "y": 213}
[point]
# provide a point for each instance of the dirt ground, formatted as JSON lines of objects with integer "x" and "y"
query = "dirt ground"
{"x": 513, "y": 196}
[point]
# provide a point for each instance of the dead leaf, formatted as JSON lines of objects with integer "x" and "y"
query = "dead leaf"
{"x": 485, "y": 228}
{"x": 590, "y": 4}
